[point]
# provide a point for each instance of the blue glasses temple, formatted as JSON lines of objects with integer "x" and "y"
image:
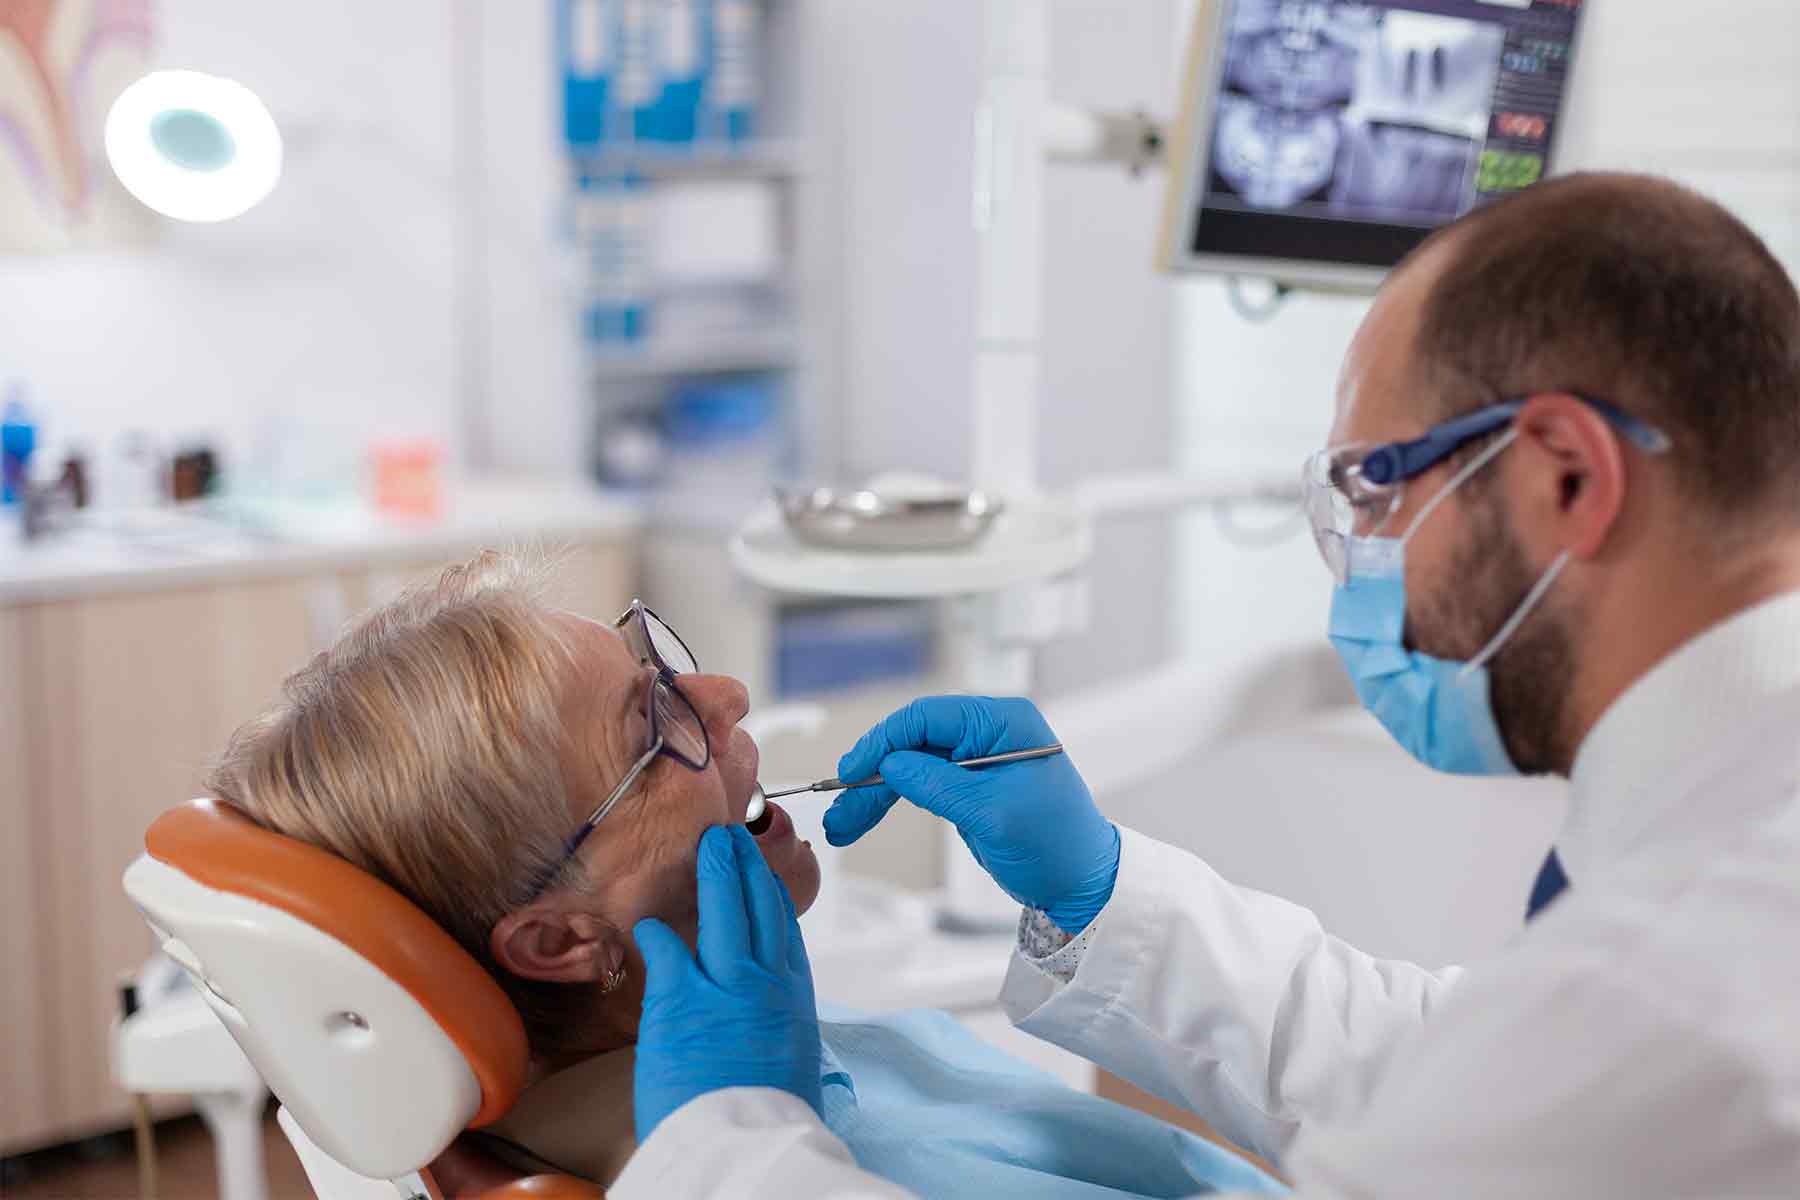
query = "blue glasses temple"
{"x": 1397, "y": 462}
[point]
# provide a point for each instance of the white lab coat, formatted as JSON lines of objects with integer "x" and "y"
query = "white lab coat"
{"x": 1641, "y": 1038}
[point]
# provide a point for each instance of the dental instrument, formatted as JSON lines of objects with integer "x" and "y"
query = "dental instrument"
{"x": 759, "y": 809}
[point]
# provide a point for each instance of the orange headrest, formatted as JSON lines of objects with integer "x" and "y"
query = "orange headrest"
{"x": 221, "y": 848}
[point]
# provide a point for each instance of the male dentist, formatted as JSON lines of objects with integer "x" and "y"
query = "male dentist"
{"x": 1561, "y": 504}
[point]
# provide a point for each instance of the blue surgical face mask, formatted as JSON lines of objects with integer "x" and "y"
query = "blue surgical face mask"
{"x": 1438, "y": 709}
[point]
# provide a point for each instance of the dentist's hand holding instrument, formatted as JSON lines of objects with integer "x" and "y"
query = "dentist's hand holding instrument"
{"x": 1032, "y": 824}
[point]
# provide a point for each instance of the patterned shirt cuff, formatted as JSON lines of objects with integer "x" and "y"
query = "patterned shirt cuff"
{"x": 1047, "y": 947}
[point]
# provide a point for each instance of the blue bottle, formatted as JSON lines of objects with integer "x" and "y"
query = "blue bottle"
{"x": 682, "y": 53}
{"x": 18, "y": 438}
{"x": 637, "y": 88}
{"x": 587, "y": 34}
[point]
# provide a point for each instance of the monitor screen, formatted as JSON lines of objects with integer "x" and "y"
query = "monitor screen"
{"x": 1328, "y": 138}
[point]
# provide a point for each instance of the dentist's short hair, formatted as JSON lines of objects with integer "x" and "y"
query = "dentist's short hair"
{"x": 1644, "y": 292}
{"x": 425, "y": 747}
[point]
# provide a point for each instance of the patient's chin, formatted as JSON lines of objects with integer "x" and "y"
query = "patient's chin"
{"x": 792, "y": 859}
{"x": 799, "y": 869}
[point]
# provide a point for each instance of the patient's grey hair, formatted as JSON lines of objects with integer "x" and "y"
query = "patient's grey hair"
{"x": 426, "y": 748}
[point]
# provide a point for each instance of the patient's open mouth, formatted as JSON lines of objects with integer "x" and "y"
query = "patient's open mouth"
{"x": 776, "y": 836}
{"x": 773, "y": 827}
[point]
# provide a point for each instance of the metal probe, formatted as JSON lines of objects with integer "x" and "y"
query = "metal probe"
{"x": 757, "y": 808}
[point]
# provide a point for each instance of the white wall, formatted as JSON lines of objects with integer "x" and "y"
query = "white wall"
{"x": 1107, "y": 335}
{"x": 330, "y": 303}
{"x": 1709, "y": 94}
{"x": 538, "y": 414}
{"x": 901, "y": 121}
{"x": 901, "y": 118}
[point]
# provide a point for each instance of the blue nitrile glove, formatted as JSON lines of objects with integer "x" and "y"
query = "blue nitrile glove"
{"x": 1031, "y": 825}
{"x": 743, "y": 1014}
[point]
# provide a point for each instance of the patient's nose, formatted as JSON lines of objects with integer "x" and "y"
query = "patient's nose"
{"x": 720, "y": 700}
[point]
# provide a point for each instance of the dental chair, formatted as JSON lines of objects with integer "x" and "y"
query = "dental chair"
{"x": 381, "y": 1038}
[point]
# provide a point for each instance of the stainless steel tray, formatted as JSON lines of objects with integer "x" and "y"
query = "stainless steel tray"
{"x": 867, "y": 520}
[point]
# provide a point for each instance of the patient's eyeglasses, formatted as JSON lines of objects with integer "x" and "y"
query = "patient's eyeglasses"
{"x": 675, "y": 727}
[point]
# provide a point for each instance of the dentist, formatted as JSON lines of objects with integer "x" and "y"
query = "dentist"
{"x": 1561, "y": 505}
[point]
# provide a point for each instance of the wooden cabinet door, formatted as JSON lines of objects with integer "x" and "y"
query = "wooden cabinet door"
{"x": 25, "y": 1118}
{"x": 141, "y": 692}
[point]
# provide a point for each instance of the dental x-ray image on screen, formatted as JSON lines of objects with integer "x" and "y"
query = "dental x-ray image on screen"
{"x": 1341, "y": 134}
{"x": 1373, "y": 115}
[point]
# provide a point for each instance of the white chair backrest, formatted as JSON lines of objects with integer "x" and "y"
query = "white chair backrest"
{"x": 331, "y": 1179}
{"x": 382, "y": 1039}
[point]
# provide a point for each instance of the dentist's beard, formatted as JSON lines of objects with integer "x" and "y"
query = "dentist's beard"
{"x": 1531, "y": 677}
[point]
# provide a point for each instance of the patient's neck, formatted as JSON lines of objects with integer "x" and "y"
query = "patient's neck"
{"x": 607, "y": 1024}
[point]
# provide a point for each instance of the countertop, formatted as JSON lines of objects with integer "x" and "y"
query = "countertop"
{"x": 181, "y": 546}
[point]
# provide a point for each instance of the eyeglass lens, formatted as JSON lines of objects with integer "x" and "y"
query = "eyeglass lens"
{"x": 669, "y": 646}
{"x": 684, "y": 735}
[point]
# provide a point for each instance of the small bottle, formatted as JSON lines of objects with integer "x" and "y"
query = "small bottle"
{"x": 18, "y": 438}
{"x": 74, "y": 477}
{"x": 734, "y": 85}
{"x": 637, "y": 86}
{"x": 681, "y": 65}
{"x": 590, "y": 42}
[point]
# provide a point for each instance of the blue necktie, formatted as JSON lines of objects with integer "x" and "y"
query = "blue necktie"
{"x": 1550, "y": 884}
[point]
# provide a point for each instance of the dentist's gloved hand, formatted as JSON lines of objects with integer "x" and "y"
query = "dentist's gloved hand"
{"x": 1031, "y": 825}
{"x": 743, "y": 1014}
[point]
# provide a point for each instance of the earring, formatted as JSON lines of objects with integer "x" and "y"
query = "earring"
{"x": 613, "y": 979}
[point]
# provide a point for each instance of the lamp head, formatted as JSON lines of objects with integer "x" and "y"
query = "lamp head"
{"x": 193, "y": 146}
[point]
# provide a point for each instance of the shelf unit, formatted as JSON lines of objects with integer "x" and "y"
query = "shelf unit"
{"x": 687, "y": 569}
{"x": 783, "y": 156}
{"x": 657, "y": 358}
{"x": 767, "y": 158}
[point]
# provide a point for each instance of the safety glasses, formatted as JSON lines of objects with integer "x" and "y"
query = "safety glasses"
{"x": 1350, "y": 491}
{"x": 675, "y": 728}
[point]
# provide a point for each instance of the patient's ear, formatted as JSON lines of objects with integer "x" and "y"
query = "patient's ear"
{"x": 543, "y": 942}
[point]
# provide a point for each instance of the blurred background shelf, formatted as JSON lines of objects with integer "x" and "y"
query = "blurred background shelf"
{"x": 775, "y": 158}
{"x": 771, "y": 350}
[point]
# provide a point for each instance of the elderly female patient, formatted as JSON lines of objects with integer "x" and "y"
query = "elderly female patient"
{"x": 537, "y": 783}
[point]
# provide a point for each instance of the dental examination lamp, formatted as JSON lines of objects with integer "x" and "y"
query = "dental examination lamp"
{"x": 193, "y": 146}
{"x": 381, "y": 1037}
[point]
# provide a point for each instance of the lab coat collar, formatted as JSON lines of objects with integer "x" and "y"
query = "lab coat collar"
{"x": 1692, "y": 717}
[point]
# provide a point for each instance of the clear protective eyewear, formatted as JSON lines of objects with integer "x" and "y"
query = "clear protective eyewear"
{"x": 675, "y": 727}
{"x": 1351, "y": 490}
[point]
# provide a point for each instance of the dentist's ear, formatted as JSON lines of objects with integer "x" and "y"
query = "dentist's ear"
{"x": 1578, "y": 490}
{"x": 543, "y": 942}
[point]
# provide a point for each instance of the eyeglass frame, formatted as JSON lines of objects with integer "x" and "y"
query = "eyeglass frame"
{"x": 662, "y": 678}
{"x": 1388, "y": 465}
